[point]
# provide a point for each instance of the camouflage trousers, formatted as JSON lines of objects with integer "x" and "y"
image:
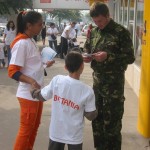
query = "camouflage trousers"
{"x": 109, "y": 90}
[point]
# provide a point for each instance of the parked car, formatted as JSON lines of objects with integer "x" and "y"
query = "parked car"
{"x": 2, "y": 28}
{"x": 1, "y": 31}
{"x": 84, "y": 30}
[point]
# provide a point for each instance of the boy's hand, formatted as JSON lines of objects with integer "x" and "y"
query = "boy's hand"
{"x": 33, "y": 92}
{"x": 36, "y": 93}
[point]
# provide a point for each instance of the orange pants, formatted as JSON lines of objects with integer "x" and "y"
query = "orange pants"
{"x": 30, "y": 116}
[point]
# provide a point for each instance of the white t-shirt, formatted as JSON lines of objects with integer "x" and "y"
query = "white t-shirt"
{"x": 77, "y": 26}
{"x": 72, "y": 32}
{"x": 10, "y": 35}
{"x": 25, "y": 53}
{"x": 52, "y": 31}
{"x": 70, "y": 98}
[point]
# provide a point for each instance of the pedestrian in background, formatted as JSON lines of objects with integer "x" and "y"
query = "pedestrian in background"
{"x": 71, "y": 101}
{"x": 112, "y": 50}
{"x": 68, "y": 33}
{"x": 9, "y": 35}
{"x": 64, "y": 26}
{"x": 89, "y": 30}
{"x": 77, "y": 29}
{"x": 27, "y": 68}
{"x": 52, "y": 36}
{"x": 43, "y": 33}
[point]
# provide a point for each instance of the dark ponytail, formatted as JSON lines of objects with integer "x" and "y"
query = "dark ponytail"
{"x": 27, "y": 17}
{"x": 20, "y": 26}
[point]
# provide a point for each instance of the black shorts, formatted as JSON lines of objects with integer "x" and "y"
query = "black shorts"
{"x": 60, "y": 146}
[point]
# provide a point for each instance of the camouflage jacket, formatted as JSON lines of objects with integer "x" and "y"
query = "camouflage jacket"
{"x": 117, "y": 42}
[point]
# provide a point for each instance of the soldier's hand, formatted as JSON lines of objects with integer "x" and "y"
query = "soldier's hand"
{"x": 87, "y": 59}
{"x": 99, "y": 56}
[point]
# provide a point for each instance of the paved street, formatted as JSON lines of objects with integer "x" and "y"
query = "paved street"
{"x": 9, "y": 114}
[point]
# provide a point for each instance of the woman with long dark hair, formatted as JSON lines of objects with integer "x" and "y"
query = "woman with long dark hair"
{"x": 9, "y": 35}
{"x": 27, "y": 68}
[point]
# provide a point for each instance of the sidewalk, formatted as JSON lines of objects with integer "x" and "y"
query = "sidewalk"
{"x": 9, "y": 114}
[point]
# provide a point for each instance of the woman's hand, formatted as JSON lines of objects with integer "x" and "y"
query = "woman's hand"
{"x": 35, "y": 85}
{"x": 50, "y": 63}
{"x": 99, "y": 56}
{"x": 29, "y": 80}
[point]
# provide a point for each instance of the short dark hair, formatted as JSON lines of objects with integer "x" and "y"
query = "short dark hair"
{"x": 73, "y": 61}
{"x": 52, "y": 24}
{"x": 99, "y": 8}
{"x": 73, "y": 22}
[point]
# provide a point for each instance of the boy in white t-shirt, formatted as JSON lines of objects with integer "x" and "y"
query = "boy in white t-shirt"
{"x": 71, "y": 101}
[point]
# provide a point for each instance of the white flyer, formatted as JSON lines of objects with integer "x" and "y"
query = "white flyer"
{"x": 47, "y": 54}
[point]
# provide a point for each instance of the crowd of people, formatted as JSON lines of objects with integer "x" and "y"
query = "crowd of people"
{"x": 68, "y": 36}
{"x": 108, "y": 48}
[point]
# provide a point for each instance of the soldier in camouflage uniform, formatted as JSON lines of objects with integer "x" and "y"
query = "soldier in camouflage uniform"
{"x": 112, "y": 50}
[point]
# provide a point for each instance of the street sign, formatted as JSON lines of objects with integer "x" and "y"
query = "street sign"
{"x": 61, "y": 4}
{"x": 92, "y": 1}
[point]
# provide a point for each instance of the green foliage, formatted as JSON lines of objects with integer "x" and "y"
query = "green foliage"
{"x": 15, "y": 5}
{"x": 88, "y": 17}
{"x": 3, "y": 8}
{"x": 71, "y": 15}
{"x": 76, "y": 15}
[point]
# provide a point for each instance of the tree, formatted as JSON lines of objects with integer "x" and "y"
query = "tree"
{"x": 15, "y": 5}
{"x": 71, "y": 15}
{"x": 75, "y": 15}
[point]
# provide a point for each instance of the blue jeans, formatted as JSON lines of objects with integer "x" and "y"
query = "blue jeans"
{"x": 8, "y": 53}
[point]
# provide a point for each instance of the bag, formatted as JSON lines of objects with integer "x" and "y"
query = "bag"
{"x": 53, "y": 36}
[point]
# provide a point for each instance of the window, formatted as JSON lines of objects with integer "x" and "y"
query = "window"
{"x": 131, "y": 16}
{"x": 139, "y": 32}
